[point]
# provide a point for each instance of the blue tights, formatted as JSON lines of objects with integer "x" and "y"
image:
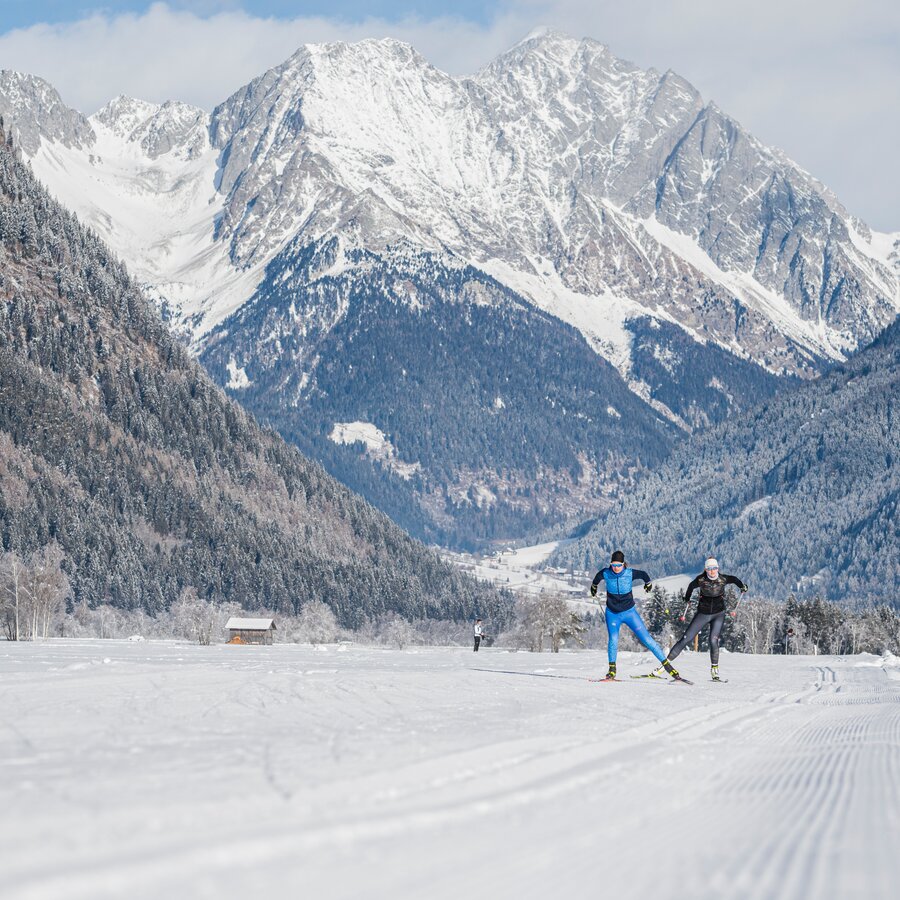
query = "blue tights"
{"x": 631, "y": 618}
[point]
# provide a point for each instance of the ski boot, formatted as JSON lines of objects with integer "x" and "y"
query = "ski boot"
{"x": 610, "y": 675}
{"x": 656, "y": 674}
{"x": 674, "y": 673}
{"x": 668, "y": 667}
{"x": 714, "y": 672}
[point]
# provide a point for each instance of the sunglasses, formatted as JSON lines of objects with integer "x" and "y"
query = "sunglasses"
{"x": 712, "y": 569}
{"x": 617, "y": 565}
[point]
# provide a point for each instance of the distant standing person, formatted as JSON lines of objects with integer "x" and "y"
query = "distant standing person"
{"x": 710, "y": 611}
{"x": 620, "y": 610}
{"x": 479, "y": 633}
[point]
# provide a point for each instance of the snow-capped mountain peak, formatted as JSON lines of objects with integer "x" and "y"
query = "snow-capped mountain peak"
{"x": 35, "y": 112}
{"x": 159, "y": 128}
{"x": 558, "y": 157}
{"x": 123, "y": 115}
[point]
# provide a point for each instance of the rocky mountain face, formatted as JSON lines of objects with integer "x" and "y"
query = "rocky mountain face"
{"x": 116, "y": 446}
{"x": 35, "y": 112}
{"x": 800, "y": 495}
{"x": 644, "y": 237}
{"x": 158, "y": 129}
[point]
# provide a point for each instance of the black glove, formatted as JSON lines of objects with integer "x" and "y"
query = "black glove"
{"x": 744, "y": 589}
{"x": 648, "y": 588}
{"x": 593, "y": 590}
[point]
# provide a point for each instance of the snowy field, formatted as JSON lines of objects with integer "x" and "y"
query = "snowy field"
{"x": 523, "y": 572}
{"x": 170, "y": 770}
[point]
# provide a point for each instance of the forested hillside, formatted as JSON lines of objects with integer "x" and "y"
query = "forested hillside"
{"x": 117, "y": 447}
{"x": 800, "y": 494}
{"x": 505, "y": 421}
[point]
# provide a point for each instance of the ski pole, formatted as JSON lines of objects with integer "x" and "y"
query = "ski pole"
{"x": 736, "y": 605}
{"x": 683, "y": 615}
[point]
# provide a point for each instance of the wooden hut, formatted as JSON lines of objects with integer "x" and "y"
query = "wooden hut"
{"x": 250, "y": 631}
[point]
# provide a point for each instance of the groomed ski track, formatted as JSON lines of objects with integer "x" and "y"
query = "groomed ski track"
{"x": 169, "y": 770}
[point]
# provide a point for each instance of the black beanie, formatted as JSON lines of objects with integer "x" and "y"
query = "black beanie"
{"x": 618, "y": 556}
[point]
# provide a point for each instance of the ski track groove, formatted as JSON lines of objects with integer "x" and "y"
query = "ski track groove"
{"x": 808, "y": 795}
{"x": 532, "y": 778}
{"x": 805, "y": 762}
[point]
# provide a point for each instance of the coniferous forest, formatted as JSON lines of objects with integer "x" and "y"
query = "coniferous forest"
{"x": 117, "y": 450}
{"x": 535, "y": 419}
{"x": 798, "y": 494}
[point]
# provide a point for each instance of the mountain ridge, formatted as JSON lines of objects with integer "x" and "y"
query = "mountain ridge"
{"x": 609, "y": 198}
{"x": 649, "y": 95}
{"x": 799, "y": 495}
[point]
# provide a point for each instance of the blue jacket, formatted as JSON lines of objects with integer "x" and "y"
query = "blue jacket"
{"x": 618, "y": 587}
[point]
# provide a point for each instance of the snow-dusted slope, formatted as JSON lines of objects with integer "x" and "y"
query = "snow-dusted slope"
{"x": 146, "y": 183}
{"x": 160, "y": 770}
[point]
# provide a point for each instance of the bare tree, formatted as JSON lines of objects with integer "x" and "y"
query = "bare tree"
{"x": 316, "y": 623}
{"x": 107, "y": 620}
{"x": 549, "y": 617}
{"x": 394, "y": 629}
{"x": 758, "y": 620}
{"x": 48, "y": 588}
{"x": 855, "y": 631}
{"x": 879, "y": 630}
{"x": 12, "y": 581}
{"x": 196, "y": 619}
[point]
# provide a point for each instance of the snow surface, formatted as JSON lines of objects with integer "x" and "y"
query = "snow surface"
{"x": 884, "y": 249}
{"x": 249, "y": 624}
{"x": 158, "y": 214}
{"x": 164, "y": 770}
{"x": 376, "y": 443}
{"x": 237, "y": 376}
{"x": 363, "y": 432}
{"x": 524, "y": 572}
{"x": 521, "y": 571}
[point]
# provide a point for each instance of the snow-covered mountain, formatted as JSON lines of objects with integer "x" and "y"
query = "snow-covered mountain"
{"x": 606, "y": 202}
{"x": 561, "y": 170}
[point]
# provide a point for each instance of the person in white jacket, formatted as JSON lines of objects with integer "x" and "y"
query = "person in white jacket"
{"x": 479, "y": 633}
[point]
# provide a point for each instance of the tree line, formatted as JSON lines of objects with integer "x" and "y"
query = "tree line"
{"x": 793, "y": 625}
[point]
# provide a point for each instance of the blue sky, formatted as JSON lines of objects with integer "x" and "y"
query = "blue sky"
{"x": 819, "y": 79}
{"x": 21, "y": 13}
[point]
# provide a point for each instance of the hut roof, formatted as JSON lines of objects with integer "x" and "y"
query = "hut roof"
{"x": 250, "y": 624}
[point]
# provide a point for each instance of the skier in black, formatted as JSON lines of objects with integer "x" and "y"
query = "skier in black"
{"x": 710, "y": 611}
{"x": 479, "y": 633}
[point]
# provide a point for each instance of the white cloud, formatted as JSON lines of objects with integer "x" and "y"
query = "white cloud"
{"x": 819, "y": 79}
{"x": 165, "y": 53}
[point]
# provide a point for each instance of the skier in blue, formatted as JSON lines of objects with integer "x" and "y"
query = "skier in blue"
{"x": 620, "y": 610}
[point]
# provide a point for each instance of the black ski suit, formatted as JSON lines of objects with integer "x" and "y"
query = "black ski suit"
{"x": 710, "y": 611}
